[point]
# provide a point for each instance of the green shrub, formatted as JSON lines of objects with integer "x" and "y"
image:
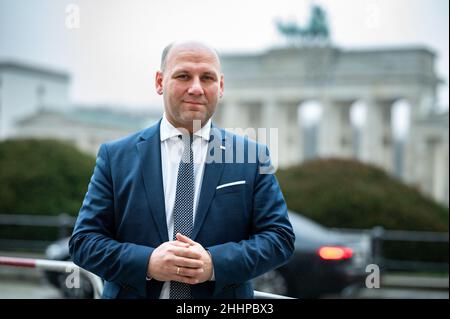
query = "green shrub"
{"x": 350, "y": 194}
{"x": 41, "y": 177}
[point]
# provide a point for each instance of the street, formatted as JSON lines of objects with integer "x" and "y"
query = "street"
{"x": 40, "y": 289}
{"x": 30, "y": 283}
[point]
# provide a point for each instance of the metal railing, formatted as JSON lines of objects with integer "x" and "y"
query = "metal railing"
{"x": 379, "y": 237}
{"x": 63, "y": 222}
{"x": 95, "y": 281}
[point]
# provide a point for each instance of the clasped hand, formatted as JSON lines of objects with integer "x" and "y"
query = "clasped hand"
{"x": 182, "y": 260}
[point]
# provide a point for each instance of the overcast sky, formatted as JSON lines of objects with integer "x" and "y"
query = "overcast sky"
{"x": 114, "y": 53}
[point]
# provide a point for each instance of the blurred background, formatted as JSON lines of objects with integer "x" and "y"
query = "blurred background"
{"x": 357, "y": 90}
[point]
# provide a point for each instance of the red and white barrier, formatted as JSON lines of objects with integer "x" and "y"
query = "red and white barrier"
{"x": 97, "y": 283}
{"x": 54, "y": 265}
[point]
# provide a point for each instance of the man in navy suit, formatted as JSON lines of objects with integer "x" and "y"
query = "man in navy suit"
{"x": 166, "y": 218}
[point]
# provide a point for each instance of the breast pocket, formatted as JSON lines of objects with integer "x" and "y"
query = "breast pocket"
{"x": 231, "y": 202}
{"x": 230, "y": 188}
{"x": 229, "y": 208}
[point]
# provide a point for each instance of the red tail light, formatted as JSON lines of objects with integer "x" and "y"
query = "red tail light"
{"x": 335, "y": 252}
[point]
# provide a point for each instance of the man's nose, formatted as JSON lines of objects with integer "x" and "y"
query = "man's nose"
{"x": 196, "y": 87}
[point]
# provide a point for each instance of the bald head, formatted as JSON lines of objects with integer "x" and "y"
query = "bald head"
{"x": 176, "y": 47}
{"x": 190, "y": 82}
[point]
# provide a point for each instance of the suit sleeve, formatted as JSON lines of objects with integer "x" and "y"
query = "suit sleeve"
{"x": 271, "y": 242}
{"x": 92, "y": 245}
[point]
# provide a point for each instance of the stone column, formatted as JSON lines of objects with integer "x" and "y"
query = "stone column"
{"x": 254, "y": 112}
{"x": 335, "y": 130}
{"x": 233, "y": 114}
{"x": 328, "y": 128}
{"x": 294, "y": 138}
{"x": 273, "y": 117}
{"x": 440, "y": 173}
{"x": 415, "y": 148}
{"x": 219, "y": 113}
{"x": 444, "y": 173}
{"x": 345, "y": 130}
{"x": 377, "y": 140}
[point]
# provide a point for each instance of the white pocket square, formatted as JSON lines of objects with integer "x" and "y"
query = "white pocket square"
{"x": 230, "y": 184}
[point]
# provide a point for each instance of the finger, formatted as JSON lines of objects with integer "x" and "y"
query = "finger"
{"x": 179, "y": 243}
{"x": 188, "y": 272}
{"x": 186, "y": 252}
{"x": 185, "y": 239}
{"x": 188, "y": 262}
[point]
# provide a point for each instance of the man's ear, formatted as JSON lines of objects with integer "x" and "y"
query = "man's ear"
{"x": 221, "y": 88}
{"x": 159, "y": 82}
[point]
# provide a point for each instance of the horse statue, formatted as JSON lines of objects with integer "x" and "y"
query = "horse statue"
{"x": 316, "y": 29}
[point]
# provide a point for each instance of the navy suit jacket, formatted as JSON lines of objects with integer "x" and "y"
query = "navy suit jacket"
{"x": 122, "y": 220}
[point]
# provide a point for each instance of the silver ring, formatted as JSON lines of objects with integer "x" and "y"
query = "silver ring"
{"x": 178, "y": 270}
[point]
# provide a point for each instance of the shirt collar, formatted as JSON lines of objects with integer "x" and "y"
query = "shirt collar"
{"x": 167, "y": 130}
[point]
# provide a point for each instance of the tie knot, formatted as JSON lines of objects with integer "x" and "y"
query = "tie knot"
{"x": 186, "y": 138}
{"x": 187, "y": 156}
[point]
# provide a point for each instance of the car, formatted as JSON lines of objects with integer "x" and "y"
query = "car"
{"x": 325, "y": 263}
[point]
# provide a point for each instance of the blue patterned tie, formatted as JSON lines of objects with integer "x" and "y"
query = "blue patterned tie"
{"x": 183, "y": 210}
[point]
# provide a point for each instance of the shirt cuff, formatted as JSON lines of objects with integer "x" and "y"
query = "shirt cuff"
{"x": 213, "y": 277}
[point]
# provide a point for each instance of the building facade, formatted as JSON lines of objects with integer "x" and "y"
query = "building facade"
{"x": 85, "y": 127}
{"x": 266, "y": 90}
{"x": 25, "y": 89}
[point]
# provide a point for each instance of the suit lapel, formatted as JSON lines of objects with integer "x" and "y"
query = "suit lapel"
{"x": 149, "y": 149}
{"x": 211, "y": 176}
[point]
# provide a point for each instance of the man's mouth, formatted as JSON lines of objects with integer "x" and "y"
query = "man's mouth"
{"x": 194, "y": 102}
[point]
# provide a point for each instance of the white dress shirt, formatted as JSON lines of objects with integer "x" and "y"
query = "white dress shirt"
{"x": 171, "y": 152}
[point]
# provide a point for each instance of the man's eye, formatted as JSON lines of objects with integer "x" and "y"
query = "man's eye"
{"x": 182, "y": 77}
{"x": 208, "y": 78}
